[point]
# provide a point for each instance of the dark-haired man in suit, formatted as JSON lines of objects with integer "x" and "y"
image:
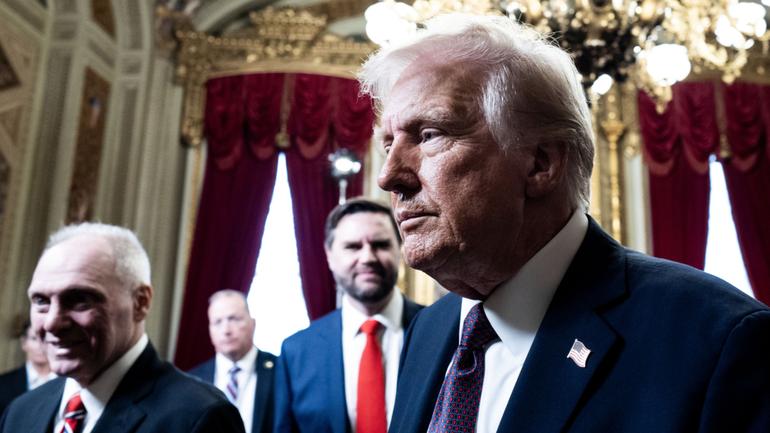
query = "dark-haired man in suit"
{"x": 90, "y": 294}
{"x": 339, "y": 375}
{"x": 240, "y": 370}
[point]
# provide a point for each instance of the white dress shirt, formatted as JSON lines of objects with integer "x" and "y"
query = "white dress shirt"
{"x": 354, "y": 342}
{"x": 247, "y": 383}
{"x": 515, "y": 310}
{"x": 34, "y": 379}
{"x": 96, "y": 395}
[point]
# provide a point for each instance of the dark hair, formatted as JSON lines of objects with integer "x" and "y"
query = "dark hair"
{"x": 353, "y": 206}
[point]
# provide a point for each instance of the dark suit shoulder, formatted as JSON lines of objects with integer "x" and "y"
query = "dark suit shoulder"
{"x": 266, "y": 356}
{"x": 12, "y": 385}
{"x": 197, "y": 393}
{"x": 686, "y": 291}
{"x": 42, "y": 401}
{"x": 154, "y": 396}
{"x": 328, "y": 326}
{"x": 411, "y": 309}
{"x": 46, "y": 389}
{"x": 14, "y": 375}
{"x": 204, "y": 371}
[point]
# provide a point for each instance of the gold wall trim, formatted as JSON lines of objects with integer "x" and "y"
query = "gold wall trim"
{"x": 279, "y": 40}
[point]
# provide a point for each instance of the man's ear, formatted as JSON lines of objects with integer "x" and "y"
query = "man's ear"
{"x": 142, "y": 300}
{"x": 548, "y": 168}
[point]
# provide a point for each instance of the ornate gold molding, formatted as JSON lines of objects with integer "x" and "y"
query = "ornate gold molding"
{"x": 280, "y": 40}
{"x": 611, "y": 129}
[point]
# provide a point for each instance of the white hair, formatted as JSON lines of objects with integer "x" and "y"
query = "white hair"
{"x": 132, "y": 265}
{"x": 530, "y": 90}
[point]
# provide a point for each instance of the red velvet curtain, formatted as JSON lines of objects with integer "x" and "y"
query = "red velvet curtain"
{"x": 327, "y": 113}
{"x": 677, "y": 145}
{"x": 242, "y": 118}
{"x": 747, "y": 172}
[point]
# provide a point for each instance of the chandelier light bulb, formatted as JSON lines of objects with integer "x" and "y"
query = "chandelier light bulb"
{"x": 602, "y": 85}
{"x": 668, "y": 63}
{"x": 344, "y": 164}
{"x": 388, "y": 20}
{"x": 749, "y": 18}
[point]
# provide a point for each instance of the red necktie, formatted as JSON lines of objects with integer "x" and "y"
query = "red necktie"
{"x": 370, "y": 410}
{"x": 74, "y": 414}
{"x": 457, "y": 406}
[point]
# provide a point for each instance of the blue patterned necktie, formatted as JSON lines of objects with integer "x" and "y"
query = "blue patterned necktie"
{"x": 457, "y": 406}
{"x": 232, "y": 384}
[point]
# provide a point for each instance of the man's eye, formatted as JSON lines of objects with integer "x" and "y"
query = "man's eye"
{"x": 429, "y": 134}
{"x": 38, "y": 300}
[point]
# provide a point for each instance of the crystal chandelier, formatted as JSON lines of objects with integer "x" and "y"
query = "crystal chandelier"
{"x": 653, "y": 42}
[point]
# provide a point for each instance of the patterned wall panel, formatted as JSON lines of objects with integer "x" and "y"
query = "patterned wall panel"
{"x": 8, "y": 77}
{"x": 5, "y": 180}
{"x": 89, "y": 146}
{"x": 103, "y": 16}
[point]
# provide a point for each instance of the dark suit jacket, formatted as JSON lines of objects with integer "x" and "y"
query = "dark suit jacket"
{"x": 12, "y": 384}
{"x": 153, "y": 397}
{"x": 672, "y": 350}
{"x": 263, "y": 399}
{"x": 310, "y": 377}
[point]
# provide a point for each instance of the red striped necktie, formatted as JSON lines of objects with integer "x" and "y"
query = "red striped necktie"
{"x": 74, "y": 415}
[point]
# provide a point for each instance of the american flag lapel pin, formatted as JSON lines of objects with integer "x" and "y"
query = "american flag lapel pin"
{"x": 578, "y": 353}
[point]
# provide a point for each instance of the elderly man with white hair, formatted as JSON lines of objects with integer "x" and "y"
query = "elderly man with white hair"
{"x": 90, "y": 294}
{"x": 552, "y": 326}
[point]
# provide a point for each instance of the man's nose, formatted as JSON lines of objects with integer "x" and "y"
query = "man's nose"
{"x": 366, "y": 254}
{"x": 399, "y": 172}
{"x": 55, "y": 318}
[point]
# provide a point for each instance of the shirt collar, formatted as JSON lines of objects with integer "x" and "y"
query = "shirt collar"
{"x": 96, "y": 395}
{"x": 390, "y": 316}
{"x": 223, "y": 363}
{"x": 516, "y": 308}
{"x": 34, "y": 379}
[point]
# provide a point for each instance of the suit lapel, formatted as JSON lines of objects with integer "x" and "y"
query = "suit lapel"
{"x": 550, "y": 385}
{"x": 209, "y": 371}
{"x": 433, "y": 347}
{"x": 264, "y": 367}
{"x": 334, "y": 368}
{"x": 410, "y": 310}
{"x": 42, "y": 409}
{"x": 122, "y": 413}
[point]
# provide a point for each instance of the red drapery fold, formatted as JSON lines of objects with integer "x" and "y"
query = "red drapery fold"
{"x": 234, "y": 202}
{"x": 327, "y": 113}
{"x": 677, "y": 145}
{"x": 243, "y": 116}
{"x": 747, "y": 172}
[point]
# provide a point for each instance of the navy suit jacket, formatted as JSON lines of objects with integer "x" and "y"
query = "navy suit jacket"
{"x": 310, "y": 377}
{"x": 672, "y": 350}
{"x": 262, "y": 421}
{"x": 153, "y": 397}
{"x": 12, "y": 384}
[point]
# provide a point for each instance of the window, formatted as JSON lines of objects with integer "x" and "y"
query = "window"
{"x": 723, "y": 255}
{"x": 275, "y": 296}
